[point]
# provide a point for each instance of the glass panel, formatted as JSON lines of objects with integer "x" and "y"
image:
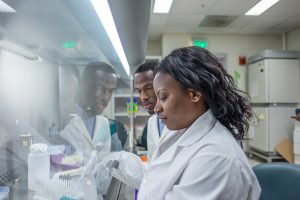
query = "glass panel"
{"x": 58, "y": 76}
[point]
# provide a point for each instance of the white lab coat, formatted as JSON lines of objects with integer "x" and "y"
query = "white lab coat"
{"x": 152, "y": 135}
{"x": 205, "y": 163}
{"x": 78, "y": 136}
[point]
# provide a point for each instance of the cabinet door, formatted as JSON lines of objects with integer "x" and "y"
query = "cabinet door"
{"x": 257, "y": 82}
{"x": 283, "y": 80}
{"x": 281, "y": 125}
{"x": 260, "y": 137}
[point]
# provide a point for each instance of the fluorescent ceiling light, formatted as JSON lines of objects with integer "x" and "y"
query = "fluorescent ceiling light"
{"x": 103, "y": 11}
{"x": 5, "y": 8}
{"x": 162, "y": 6}
{"x": 18, "y": 50}
{"x": 261, "y": 7}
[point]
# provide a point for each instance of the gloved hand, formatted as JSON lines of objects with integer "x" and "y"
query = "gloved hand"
{"x": 103, "y": 174}
{"x": 130, "y": 169}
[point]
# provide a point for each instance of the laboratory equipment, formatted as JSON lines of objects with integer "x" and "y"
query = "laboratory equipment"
{"x": 273, "y": 86}
{"x": 58, "y": 189}
{"x": 10, "y": 166}
{"x": 38, "y": 164}
{"x": 273, "y": 77}
{"x": 274, "y": 124}
{"x": 25, "y": 141}
{"x": 86, "y": 184}
{"x": 83, "y": 177}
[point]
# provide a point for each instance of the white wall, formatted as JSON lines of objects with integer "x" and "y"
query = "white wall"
{"x": 29, "y": 90}
{"x": 232, "y": 45}
{"x": 293, "y": 40}
{"x": 154, "y": 48}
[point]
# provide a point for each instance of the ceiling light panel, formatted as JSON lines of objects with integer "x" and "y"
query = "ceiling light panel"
{"x": 6, "y": 8}
{"x": 162, "y": 6}
{"x": 261, "y": 7}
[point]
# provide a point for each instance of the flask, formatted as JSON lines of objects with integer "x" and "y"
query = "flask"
{"x": 38, "y": 164}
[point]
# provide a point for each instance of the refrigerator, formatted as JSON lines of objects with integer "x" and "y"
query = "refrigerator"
{"x": 273, "y": 87}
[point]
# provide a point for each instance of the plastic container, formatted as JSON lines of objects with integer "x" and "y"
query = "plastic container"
{"x": 4, "y": 192}
{"x": 128, "y": 106}
{"x": 38, "y": 164}
{"x": 135, "y": 105}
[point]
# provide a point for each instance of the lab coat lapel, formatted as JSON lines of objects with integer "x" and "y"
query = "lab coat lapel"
{"x": 102, "y": 129}
{"x": 169, "y": 154}
{"x": 77, "y": 135}
{"x": 156, "y": 130}
{"x": 102, "y": 135}
{"x": 194, "y": 133}
{"x": 79, "y": 125}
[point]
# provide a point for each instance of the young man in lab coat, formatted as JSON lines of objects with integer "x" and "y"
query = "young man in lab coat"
{"x": 90, "y": 128}
{"x": 143, "y": 84}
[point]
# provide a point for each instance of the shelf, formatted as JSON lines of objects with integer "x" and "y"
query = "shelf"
{"x": 126, "y": 95}
{"x": 143, "y": 114}
{"x": 125, "y": 114}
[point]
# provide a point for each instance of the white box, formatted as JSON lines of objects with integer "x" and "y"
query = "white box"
{"x": 297, "y": 148}
{"x": 297, "y": 158}
{"x": 296, "y": 137}
{"x": 297, "y": 126}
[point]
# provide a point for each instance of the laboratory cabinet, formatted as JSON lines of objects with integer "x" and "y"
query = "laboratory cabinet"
{"x": 274, "y": 81}
{"x": 273, "y": 87}
{"x": 273, "y": 124}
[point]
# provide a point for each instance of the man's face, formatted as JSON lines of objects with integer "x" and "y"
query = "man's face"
{"x": 143, "y": 84}
{"x": 99, "y": 91}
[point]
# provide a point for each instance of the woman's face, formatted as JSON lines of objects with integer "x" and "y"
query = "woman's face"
{"x": 177, "y": 107}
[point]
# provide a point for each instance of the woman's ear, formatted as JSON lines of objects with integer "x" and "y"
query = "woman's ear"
{"x": 195, "y": 96}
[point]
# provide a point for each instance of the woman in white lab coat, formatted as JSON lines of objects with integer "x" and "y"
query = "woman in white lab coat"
{"x": 199, "y": 156}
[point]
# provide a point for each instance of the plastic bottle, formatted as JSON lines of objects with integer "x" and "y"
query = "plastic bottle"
{"x": 128, "y": 106}
{"x": 38, "y": 164}
{"x": 135, "y": 105}
{"x": 53, "y": 131}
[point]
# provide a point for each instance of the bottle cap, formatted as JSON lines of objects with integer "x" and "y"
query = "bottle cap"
{"x": 144, "y": 158}
{"x": 42, "y": 147}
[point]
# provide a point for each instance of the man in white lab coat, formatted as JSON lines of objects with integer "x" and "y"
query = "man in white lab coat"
{"x": 143, "y": 84}
{"x": 89, "y": 127}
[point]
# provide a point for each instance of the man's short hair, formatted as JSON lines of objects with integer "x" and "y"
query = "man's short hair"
{"x": 150, "y": 65}
{"x": 95, "y": 66}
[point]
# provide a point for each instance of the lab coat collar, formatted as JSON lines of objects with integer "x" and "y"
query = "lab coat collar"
{"x": 195, "y": 132}
{"x": 198, "y": 129}
{"x": 155, "y": 124}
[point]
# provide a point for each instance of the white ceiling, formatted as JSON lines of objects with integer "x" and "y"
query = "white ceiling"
{"x": 186, "y": 15}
